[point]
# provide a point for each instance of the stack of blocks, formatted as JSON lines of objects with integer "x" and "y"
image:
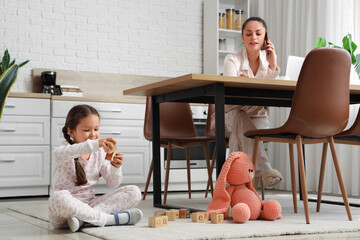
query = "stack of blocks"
{"x": 161, "y": 218}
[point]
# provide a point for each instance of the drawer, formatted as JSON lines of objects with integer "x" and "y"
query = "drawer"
{"x": 27, "y": 106}
{"x": 24, "y": 166}
{"x": 106, "y": 110}
{"x": 126, "y": 132}
{"x": 24, "y": 130}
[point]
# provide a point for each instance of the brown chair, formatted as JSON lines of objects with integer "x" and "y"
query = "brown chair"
{"x": 177, "y": 130}
{"x": 352, "y": 137}
{"x": 209, "y": 133}
{"x": 320, "y": 110}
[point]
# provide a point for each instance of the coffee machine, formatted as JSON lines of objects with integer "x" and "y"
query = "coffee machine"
{"x": 48, "y": 79}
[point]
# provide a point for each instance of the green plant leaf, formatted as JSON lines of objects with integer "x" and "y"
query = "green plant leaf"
{"x": 5, "y": 61}
{"x": 348, "y": 44}
{"x": 320, "y": 42}
{"x": 333, "y": 45}
{"x": 23, "y": 63}
{"x": 12, "y": 63}
{"x": 7, "y": 80}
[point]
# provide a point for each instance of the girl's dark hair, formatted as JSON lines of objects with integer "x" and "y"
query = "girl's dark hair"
{"x": 73, "y": 118}
{"x": 258, "y": 20}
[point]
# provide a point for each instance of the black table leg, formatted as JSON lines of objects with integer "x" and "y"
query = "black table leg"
{"x": 156, "y": 150}
{"x": 220, "y": 126}
{"x": 157, "y": 202}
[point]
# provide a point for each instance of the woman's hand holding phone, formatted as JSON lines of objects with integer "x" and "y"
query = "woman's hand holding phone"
{"x": 271, "y": 55}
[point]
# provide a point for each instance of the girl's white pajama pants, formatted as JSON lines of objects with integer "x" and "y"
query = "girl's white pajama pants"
{"x": 62, "y": 206}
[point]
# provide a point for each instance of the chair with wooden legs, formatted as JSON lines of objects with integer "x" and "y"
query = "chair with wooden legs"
{"x": 209, "y": 133}
{"x": 320, "y": 110}
{"x": 177, "y": 130}
{"x": 350, "y": 136}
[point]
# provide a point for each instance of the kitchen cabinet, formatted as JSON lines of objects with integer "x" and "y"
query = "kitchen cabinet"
{"x": 25, "y": 147}
{"x": 213, "y": 58}
{"x": 122, "y": 121}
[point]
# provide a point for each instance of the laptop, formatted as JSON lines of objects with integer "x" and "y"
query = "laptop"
{"x": 293, "y": 67}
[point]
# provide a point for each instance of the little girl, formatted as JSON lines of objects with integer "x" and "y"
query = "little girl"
{"x": 79, "y": 163}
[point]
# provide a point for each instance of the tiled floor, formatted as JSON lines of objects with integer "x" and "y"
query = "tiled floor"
{"x": 16, "y": 226}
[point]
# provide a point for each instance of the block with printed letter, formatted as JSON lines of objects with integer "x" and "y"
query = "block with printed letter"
{"x": 184, "y": 213}
{"x": 154, "y": 222}
{"x": 217, "y": 218}
{"x": 198, "y": 217}
{"x": 171, "y": 215}
{"x": 177, "y": 212}
{"x": 159, "y": 213}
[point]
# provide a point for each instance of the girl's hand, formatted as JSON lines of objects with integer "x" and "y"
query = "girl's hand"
{"x": 107, "y": 143}
{"x": 271, "y": 55}
{"x": 118, "y": 160}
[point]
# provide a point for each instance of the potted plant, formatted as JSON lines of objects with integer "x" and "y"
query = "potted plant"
{"x": 8, "y": 75}
{"x": 348, "y": 45}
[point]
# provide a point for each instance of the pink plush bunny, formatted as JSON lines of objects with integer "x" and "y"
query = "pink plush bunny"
{"x": 238, "y": 171}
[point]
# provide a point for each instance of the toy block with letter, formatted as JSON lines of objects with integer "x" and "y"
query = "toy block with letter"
{"x": 199, "y": 217}
{"x": 171, "y": 214}
{"x": 159, "y": 213}
{"x": 184, "y": 213}
{"x": 158, "y": 221}
{"x": 217, "y": 218}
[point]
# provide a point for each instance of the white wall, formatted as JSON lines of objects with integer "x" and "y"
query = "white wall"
{"x": 141, "y": 37}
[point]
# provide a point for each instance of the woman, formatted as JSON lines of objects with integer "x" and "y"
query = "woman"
{"x": 257, "y": 59}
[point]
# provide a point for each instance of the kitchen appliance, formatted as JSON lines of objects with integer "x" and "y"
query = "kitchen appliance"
{"x": 48, "y": 79}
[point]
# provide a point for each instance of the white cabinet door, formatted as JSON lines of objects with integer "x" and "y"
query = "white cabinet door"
{"x": 24, "y": 130}
{"x": 27, "y": 107}
{"x": 24, "y": 166}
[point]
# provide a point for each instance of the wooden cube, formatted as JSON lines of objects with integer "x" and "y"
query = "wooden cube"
{"x": 164, "y": 220}
{"x": 184, "y": 213}
{"x": 177, "y": 212}
{"x": 206, "y": 216}
{"x": 198, "y": 217}
{"x": 159, "y": 213}
{"x": 154, "y": 222}
{"x": 217, "y": 218}
{"x": 158, "y": 221}
{"x": 171, "y": 214}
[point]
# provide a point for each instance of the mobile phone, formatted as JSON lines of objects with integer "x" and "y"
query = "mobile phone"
{"x": 265, "y": 43}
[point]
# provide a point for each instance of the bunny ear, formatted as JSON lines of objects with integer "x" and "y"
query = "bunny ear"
{"x": 220, "y": 202}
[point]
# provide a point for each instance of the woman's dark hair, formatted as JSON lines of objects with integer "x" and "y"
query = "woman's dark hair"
{"x": 258, "y": 20}
{"x": 73, "y": 118}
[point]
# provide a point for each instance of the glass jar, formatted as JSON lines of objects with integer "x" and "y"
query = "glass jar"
{"x": 230, "y": 14}
{"x": 238, "y": 20}
{"x": 222, "y": 43}
{"x": 242, "y": 17}
{"x": 221, "y": 20}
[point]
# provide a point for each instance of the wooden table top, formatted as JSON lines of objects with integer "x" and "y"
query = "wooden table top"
{"x": 197, "y": 80}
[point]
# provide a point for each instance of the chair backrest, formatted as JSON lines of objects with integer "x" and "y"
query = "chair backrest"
{"x": 320, "y": 105}
{"x": 176, "y": 120}
{"x": 293, "y": 67}
{"x": 210, "y": 112}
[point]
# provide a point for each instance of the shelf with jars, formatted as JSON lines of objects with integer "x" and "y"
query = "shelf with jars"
{"x": 223, "y": 21}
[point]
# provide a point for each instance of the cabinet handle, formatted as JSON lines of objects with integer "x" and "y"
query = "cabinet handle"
{"x": 8, "y": 130}
{"x": 10, "y": 106}
{"x": 110, "y": 110}
{"x": 7, "y": 160}
{"x": 110, "y": 133}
